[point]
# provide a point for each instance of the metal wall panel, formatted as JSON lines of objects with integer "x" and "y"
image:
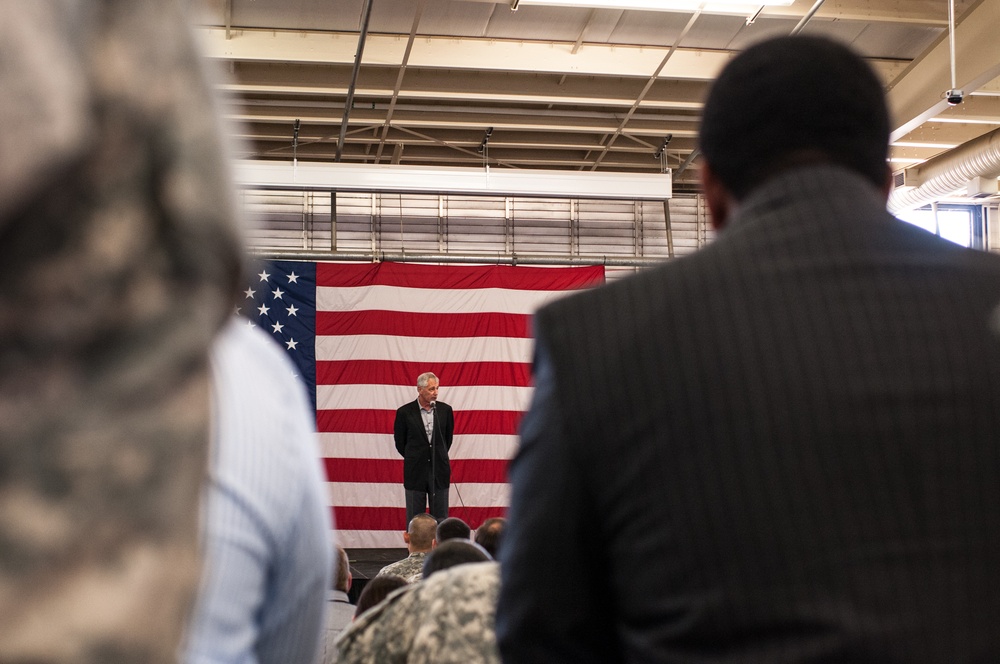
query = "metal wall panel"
{"x": 494, "y": 228}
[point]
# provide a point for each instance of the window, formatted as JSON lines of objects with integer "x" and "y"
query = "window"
{"x": 961, "y": 224}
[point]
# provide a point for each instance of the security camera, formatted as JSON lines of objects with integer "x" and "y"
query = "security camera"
{"x": 954, "y": 97}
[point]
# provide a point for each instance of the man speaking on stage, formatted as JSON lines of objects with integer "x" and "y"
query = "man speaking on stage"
{"x": 423, "y": 430}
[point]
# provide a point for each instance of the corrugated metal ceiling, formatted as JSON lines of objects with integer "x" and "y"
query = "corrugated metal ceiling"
{"x": 557, "y": 84}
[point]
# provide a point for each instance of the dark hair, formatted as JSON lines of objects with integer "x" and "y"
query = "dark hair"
{"x": 451, "y": 553}
{"x": 488, "y": 535}
{"x": 453, "y": 528}
{"x": 377, "y": 590}
{"x": 790, "y": 101}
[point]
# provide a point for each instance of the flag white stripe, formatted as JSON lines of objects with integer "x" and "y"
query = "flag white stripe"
{"x": 364, "y": 494}
{"x": 484, "y": 447}
{"x": 371, "y": 539}
{"x": 381, "y": 446}
{"x": 422, "y": 300}
{"x": 358, "y": 446}
{"x": 390, "y": 397}
{"x": 419, "y": 349}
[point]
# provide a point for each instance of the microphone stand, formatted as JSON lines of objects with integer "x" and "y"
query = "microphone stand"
{"x": 435, "y": 433}
{"x": 434, "y": 426}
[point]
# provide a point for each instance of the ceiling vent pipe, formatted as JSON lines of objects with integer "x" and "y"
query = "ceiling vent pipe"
{"x": 940, "y": 176}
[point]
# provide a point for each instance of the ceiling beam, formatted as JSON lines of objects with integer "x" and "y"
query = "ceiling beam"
{"x": 487, "y": 87}
{"x": 277, "y": 134}
{"x": 917, "y": 95}
{"x": 417, "y": 13}
{"x": 459, "y": 53}
{"x": 471, "y": 118}
{"x": 921, "y": 12}
{"x": 649, "y": 84}
{"x": 278, "y": 110}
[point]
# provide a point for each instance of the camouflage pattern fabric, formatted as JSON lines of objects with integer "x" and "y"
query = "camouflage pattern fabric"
{"x": 410, "y": 568}
{"x": 120, "y": 262}
{"x": 447, "y": 619}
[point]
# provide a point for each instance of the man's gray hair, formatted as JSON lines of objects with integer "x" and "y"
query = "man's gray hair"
{"x": 424, "y": 377}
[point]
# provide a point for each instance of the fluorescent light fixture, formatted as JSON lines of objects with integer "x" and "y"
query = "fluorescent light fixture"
{"x": 960, "y": 119}
{"x": 453, "y": 180}
{"x": 738, "y": 6}
{"x": 923, "y": 144}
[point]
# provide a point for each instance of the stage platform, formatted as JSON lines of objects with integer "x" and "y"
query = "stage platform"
{"x": 366, "y": 563}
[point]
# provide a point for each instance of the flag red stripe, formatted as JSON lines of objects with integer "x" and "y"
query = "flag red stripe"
{"x": 394, "y": 518}
{"x": 406, "y": 324}
{"x": 452, "y": 374}
{"x": 487, "y": 471}
{"x": 408, "y": 275}
{"x": 381, "y": 421}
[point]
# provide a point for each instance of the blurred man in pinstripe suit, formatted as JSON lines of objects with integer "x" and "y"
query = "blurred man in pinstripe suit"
{"x": 783, "y": 448}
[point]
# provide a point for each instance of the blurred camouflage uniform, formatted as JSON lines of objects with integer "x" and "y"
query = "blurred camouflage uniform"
{"x": 119, "y": 263}
{"x": 410, "y": 568}
{"x": 447, "y": 619}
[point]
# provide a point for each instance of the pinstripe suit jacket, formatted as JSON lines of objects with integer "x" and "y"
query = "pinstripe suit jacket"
{"x": 783, "y": 448}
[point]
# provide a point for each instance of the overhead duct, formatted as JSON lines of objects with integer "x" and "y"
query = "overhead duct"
{"x": 940, "y": 176}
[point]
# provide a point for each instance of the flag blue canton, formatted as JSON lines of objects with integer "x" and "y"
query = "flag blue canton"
{"x": 281, "y": 300}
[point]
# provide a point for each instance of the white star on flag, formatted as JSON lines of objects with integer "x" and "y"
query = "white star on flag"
{"x": 249, "y": 293}
{"x": 292, "y": 310}
{"x": 277, "y": 327}
{"x": 277, "y": 293}
{"x": 264, "y": 276}
{"x": 291, "y": 343}
{"x": 263, "y": 309}
{"x": 293, "y": 278}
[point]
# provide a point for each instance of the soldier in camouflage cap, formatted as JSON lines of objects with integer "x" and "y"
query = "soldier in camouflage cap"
{"x": 447, "y": 619}
{"x": 419, "y": 539}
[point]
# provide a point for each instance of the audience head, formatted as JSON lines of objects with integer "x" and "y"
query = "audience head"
{"x": 453, "y": 528}
{"x": 789, "y": 102}
{"x": 488, "y": 535}
{"x": 451, "y": 553}
{"x": 341, "y": 570}
{"x": 377, "y": 590}
{"x": 419, "y": 537}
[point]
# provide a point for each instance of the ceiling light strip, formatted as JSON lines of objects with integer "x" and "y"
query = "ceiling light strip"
{"x": 464, "y": 181}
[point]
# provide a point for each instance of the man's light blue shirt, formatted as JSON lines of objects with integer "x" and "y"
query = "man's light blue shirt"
{"x": 267, "y": 531}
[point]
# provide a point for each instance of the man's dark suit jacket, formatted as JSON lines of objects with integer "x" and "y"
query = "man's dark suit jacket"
{"x": 783, "y": 448}
{"x": 412, "y": 444}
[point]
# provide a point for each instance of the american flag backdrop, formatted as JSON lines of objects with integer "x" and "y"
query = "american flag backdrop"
{"x": 360, "y": 334}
